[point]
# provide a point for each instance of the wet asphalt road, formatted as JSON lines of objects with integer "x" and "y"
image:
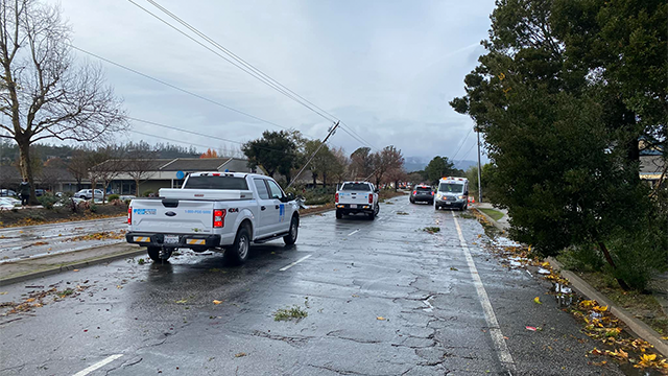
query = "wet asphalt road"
{"x": 18, "y": 243}
{"x": 145, "y": 319}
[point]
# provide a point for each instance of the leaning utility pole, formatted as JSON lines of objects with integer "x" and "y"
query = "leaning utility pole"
{"x": 331, "y": 132}
{"x": 479, "y": 169}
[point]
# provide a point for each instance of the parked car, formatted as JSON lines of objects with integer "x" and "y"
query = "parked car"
{"x": 452, "y": 192}
{"x": 39, "y": 192}
{"x": 216, "y": 211}
{"x": 357, "y": 197}
{"x": 88, "y": 194}
{"x": 8, "y": 193}
{"x": 422, "y": 193}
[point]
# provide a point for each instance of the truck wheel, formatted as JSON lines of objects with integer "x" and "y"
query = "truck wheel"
{"x": 159, "y": 254}
{"x": 339, "y": 215}
{"x": 237, "y": 254}
{"x": 291, "y": 238}
{"x": 372, "y": 215}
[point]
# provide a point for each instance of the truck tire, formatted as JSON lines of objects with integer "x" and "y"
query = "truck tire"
{"x": 291, "y": 238}
{"x": 237, "y": 254}
{"x": 339, "y": 215}
{"x": 159, "y": 254}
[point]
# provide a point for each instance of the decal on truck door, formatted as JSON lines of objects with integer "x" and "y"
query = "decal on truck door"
{"x": 281, "y": 213}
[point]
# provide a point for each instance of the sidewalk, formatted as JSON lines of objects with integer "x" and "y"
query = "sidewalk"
{"x": 501, "y": 223}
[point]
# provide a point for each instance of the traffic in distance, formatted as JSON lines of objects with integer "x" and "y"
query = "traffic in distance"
{"x": 229, "y": 211}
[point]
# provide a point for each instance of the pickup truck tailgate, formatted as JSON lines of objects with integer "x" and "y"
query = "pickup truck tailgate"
{"x": 172, "y": 216}
{"x": 352, "y": 197}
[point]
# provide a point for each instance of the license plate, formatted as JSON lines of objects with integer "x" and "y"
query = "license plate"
{"x": 447, "y": 203}
{"x": 171, "y": 239}
{"x": 353, "y": 206}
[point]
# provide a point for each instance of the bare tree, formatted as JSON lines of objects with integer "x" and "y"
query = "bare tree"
{"x": 140, "y": 164}
{"x": 79, "y": 166}
{"x": 44, "y": 95}
{"x": 388, "y": 159}
{"x": 108, "y": 170}
{"x": 52, "y": 173}
{"x": 361, "y": 164}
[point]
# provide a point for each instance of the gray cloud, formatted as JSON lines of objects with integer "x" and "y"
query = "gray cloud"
{"x": 387, "y": 68}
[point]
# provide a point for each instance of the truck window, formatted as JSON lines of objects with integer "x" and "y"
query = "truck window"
{"x": 451, "y": 187}
{"x": 262, "y": 189}
{"x": 364, "y": 187}
{"x": 216, "y": 182}
{"x": 423, "y": 189}
{"x": 276, "y": 191}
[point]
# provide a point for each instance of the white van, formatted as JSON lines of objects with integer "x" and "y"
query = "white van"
{"x": 452, "y": 192}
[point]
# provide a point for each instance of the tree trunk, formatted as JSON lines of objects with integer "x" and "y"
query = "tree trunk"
{"x": 26, "y": 167}
{"x": 315, "y": 182}
{"x": 610, "y": 261}
{"x": 137, "y": 187}
{"x": 324, "y": 179}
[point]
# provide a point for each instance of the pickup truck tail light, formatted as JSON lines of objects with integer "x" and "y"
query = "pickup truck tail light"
{"x": 432, "y": 193}
{"x": 219, "y": 218}
{"x": 129, "y": 215}
{"x": 336, "y": 197}
{"x": 414, "y": 193}
{"x": 370, "y": 198}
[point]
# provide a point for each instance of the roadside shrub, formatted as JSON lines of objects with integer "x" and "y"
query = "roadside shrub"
{"x": 127, "y": 202}
{"x": 584, "y": 258}
{"x": 47, "y": 201}
{"x": 113, "y": 197}
{"x": 639, "y": 257}
{"x": 147, "y": 193}
{"x": 93, "y": 208}
{"x": 117, "y": 202}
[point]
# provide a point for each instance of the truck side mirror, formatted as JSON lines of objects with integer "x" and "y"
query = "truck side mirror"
{"x": 466, "y": 193}
{"x": 288, "y": 197}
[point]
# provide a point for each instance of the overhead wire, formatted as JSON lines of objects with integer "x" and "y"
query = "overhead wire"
{"x": 175, "y": 87}
{"x": 248, "y": 68}
{"x": 195, "y": 133}
{"x": 462, "y": 143}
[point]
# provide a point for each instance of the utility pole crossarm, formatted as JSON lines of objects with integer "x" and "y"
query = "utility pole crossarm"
{"x": 331, "y": 132}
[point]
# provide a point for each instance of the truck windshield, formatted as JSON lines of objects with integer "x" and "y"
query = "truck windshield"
{"x": 364, "y": 187}
{"x": 216, "y": 182}
{"x": 451, "y": 187}
{"x": 423, "y": 189}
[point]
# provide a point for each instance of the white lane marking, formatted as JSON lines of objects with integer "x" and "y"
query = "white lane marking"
{"x": 493, "y": 324}
{"x": 294, "y": 263}
{"x": 98, "y": 365}
{"x": 354, "y": 232}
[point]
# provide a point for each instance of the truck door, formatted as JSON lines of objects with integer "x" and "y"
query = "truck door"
{"x": 265, "y": 204}
{"x": 279, "y": 218}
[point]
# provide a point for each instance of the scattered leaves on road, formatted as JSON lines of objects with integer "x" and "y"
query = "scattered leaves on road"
{"x": 537, "y": 300}
{"x": 239, "y": 355}
{"x": 432, "y": 230}
{"x": 381, "y": 318}
{"x": 105, "y": 235}
{"x": 216, "y": 302}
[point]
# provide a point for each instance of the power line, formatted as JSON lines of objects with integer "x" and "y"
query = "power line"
{"x": 195, "y": 133}
{"x": 247, "y": 67}
{"x": 171, "y": 139}
{"x": 462, "y": 143}
{"x": 175, "y": 87}
{"x": 250, "y": 72}
{"x": 467, "y": 153}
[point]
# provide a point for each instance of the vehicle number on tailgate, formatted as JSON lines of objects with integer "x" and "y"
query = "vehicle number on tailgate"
{"x": 353, "y": 206}
{"x": 171, "y": 239}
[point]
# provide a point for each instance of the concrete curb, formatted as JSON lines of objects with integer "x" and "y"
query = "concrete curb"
{"x": 74, "y": 265}
{"x": 637, "y": 327}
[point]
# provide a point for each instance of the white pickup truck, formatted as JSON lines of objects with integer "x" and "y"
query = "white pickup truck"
{"x": 217, "y": 211}
{"x": 357, "y": 197}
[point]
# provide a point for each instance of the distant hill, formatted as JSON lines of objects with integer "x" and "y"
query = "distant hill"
{"x": 419, "y": 163}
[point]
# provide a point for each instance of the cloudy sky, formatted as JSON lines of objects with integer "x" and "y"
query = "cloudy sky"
{"x": 386, "y": 68}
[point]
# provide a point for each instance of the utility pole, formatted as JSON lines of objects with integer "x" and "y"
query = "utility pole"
{"x": 331, "y": 132}
{"x": 479, "y": 168}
